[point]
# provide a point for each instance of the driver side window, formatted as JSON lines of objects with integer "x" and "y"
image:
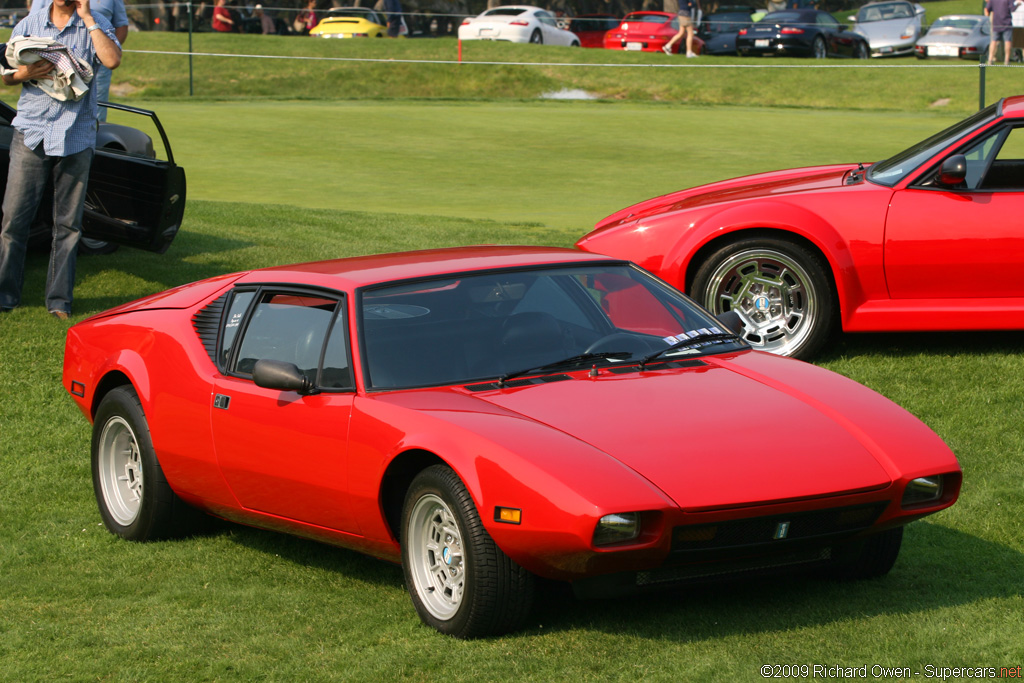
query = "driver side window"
{"x": 997, "y": 162}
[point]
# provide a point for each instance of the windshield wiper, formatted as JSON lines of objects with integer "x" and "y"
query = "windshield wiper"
{"x": 572, "y": 360}
{"x": 700, "y": 340}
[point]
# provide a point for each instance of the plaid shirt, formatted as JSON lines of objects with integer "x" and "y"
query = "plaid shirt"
{"x": 67, "y": 127}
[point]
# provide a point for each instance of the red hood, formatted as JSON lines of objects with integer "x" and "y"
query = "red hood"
{"x": 773, "y": 184}
{"x": 718, "y": 435}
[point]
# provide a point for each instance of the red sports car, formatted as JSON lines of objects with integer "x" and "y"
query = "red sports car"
{"x": 929, "y": 239}
{"x": 648, "y": 32}
{"x": 591, "y": 28}
{"x": 487, "y": 415}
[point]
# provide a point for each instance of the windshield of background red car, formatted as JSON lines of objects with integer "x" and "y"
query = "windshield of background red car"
{"x": 648, "y": 18}
{"x": 895, "y": 168}
{"x": 485, "y": 325}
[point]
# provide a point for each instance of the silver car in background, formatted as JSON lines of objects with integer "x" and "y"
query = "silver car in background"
{"x": 891, "y": 27}
{"x": 956, "y": 35}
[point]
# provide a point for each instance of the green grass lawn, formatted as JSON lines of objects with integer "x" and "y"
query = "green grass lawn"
{"x": 274, "y": 181}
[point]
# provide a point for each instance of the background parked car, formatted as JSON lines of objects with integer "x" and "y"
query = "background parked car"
{"x": 891, "y": 27}
{"x": 801, "y": 33}
{"x": 590, "y": 28}
{"x": 648, "y": 32}
{"x": 956, "y": 35}
{"x": 350, "y": 22}
{"x": 518, "y": 24}
{"x": 719, "y": 29}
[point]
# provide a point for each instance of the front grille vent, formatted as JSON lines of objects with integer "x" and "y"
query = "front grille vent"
{"x": 206, "y": 323}
{"x": 776, "y": 529}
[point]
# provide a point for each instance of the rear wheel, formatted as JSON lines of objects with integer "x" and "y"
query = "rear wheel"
{"x": 782, "y": 292}
{"x": 536, "y": 38}
{"x": 134, "y": 498}
{"x": 460, "y": 582}
{"x": 861, "y": 51}
{"x": 819, "y": 49}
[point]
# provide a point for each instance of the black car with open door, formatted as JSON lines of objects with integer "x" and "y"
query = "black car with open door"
{"x": 134, "y": 198}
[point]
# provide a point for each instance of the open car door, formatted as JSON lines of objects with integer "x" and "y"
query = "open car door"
{"x": 133, "y": 199}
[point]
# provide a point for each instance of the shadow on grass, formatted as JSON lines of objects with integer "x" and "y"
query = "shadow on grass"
{"x": 904, "y": 344}
{"x": 938, "y": 568}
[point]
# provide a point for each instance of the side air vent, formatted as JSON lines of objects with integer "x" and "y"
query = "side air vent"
{"x": 206, "y": 323}
{"x": 514, "y": 383}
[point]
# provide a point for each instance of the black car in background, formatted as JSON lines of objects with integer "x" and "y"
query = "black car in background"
{"x": 719, "y": 29}
{"x": 133, "y": 198}
{"x": 801, "y": 33}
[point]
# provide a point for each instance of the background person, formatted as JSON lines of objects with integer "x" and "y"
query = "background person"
{"x": 52, "y": 139}
{"x": 222, "y": 20}
{"x": 687, "y": 15}
{"x": 998, "y": 12}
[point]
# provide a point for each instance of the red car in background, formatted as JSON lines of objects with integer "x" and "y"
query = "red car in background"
{"x": 591, "y": 28}
{"x": 929, "y": 239}
{"x": 488, "y": 415}
{"x": 648, "y": 32}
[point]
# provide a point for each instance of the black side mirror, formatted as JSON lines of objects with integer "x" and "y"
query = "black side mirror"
{"x": 276, "y": 374}
{"x": 953, "y": 171}
{"x": 732, "y": 321}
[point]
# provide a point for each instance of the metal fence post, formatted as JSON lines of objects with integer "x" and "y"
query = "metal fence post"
{"x": 190, "y": 48}
{"x": 981, "y": 85}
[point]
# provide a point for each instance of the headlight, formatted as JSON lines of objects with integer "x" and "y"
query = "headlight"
{"x": 618, "y": 528}
{"x": 908, "y": 32}
{"x": 922, "y": 490}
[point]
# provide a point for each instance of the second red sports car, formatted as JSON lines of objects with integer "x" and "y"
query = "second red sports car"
{"x": 648, "y": 32}
{"x": 929, "y": 239}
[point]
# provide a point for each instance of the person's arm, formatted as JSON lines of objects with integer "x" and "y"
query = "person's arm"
{"x": 121, "y": 33}
{"x": 28, "y": 72}
{"x": 106, "y": 49}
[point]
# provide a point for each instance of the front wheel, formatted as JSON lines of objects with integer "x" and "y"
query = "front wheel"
{"x": 460, "y": 582}
{"x": 782, "y": 292}
{"x": 819, "y": 49}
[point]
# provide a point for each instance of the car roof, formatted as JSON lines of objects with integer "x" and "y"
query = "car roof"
{"x": 1013, "y": 107}
{"x": 361, "y": 271}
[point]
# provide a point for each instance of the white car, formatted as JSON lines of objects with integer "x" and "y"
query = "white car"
{"x": 891, "y": 27}
{"x": 518, "y": 24}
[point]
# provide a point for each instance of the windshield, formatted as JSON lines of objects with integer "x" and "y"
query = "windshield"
{"x": 726, "y": 23}
{"x": 647, "y": 18}
{"x": 894, "y": 169}
{"x": 884, "y": 12}
{"x": 966, "y": 23}
{"x": 497, "y": 324}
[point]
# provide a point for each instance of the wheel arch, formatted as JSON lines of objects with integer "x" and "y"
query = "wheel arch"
{"x": 395, "y": 483}
{"x": 126, "y": 369}
{"x": 829, "y": 260}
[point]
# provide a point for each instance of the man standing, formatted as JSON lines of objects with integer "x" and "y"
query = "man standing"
{"x": 52, "y": 139}
{"x": 999, "y": 12}
{"x": 687, "y": 17}
{"x": 113, "y": 11}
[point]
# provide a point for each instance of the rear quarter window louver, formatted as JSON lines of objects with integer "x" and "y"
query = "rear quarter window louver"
{"x": 206, "y": 323}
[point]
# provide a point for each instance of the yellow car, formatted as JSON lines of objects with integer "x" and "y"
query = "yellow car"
{"x": 350, "y": 22}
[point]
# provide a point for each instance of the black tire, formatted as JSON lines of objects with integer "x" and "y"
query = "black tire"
{"x": 135, "y": 500}
{"x": 537, "y": 38}
{"x": 869, "y": 558}
{"x": 461, "y": 583}
{"x": 795, "y": 317}
{"x": 819, "y": 50}
{"x": 91, "y": 247}
{"x": 575, "y": 43}
{"x": 861, "y": 51}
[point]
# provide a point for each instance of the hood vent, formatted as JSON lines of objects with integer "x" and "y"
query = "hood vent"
{"x": 663, "y": 365}
{"x": 206, "y": 323}
{"x": 515, "y": 383}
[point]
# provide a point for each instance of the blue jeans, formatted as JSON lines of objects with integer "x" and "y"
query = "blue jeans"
{"x": 26, "y": 180}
